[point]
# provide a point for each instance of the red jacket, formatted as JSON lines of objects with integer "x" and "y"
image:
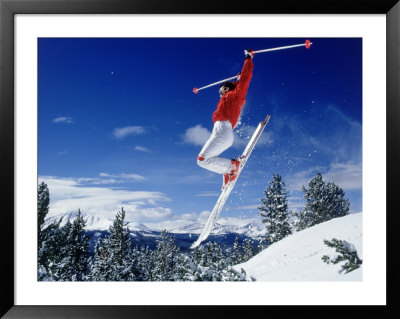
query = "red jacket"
{"x": 231, "y": 103}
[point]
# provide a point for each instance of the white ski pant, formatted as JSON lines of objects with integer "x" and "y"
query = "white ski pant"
{"x": 221, "y": 138}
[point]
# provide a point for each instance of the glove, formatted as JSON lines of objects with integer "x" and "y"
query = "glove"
{"x": 249, "y": 53}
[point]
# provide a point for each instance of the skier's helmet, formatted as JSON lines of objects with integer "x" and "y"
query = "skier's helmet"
{"x": 225, "y": 87}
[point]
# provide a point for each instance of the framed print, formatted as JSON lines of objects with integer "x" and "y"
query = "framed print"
{"x": 108, "y": 128}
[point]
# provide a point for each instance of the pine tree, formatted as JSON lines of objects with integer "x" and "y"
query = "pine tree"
{"x": 236, "y": 256}
{"x": 141, "y": 259}
{"x": 43, "y": 202}
{"x": 248, "y": 252}
{"x": 74, "y": 263}
{"x": 324, "y": 201}
{"x": 120, "y": 246}
{"x": 274, "y": 210}
{"x": 101, "y": 269}
{"x": 184, "y": 268}
{"x": 209, "y": 264}
{"x": 113, "y": 260}
{"x": 213, "y": 255}
{"x": 197, "y": 255}
{"x": 165, "y": 259}
{"x": 50, "y": 250}
{"x": 347, "y": 253}
{"x": 53, "y": 240}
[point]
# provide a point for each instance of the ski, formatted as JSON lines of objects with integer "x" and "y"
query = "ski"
{"x": 227, "y": 190}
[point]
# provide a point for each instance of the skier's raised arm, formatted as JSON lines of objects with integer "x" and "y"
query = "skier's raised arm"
{"x": 242, "y": 87}
{"x": 245, "y": 75}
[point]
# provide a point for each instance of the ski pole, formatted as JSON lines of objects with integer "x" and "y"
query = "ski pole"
{"x": 196, "y": 90}
{"x": 307, "y": 44}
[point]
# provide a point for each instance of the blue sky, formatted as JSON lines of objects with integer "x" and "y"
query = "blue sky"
{"x": 119, "y": 124}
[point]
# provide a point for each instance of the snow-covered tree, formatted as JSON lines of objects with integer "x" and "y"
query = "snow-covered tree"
{"x": 100, "y": 269}
{"x": 43, "y": 202}
{"x": 113, "y": 259}
{"x": 274, "y": 210}
{"x": 165, "y": 259}
{"x": 209, "y": 264}
{"x": 184, "y": 268}
{"x": 73, "y": 265}
{"x": 141, "y": 259}
{"x": 50, "y": 250}
{"x": 347, "y": 255}
{"x": 207, "y": 260}
{"x": 248, "y": 252}
{"x": 57, "y": 246}
{"x": 213, "y": 255}
{"x": 235, "y": 256}
{"x": 324, "y": 201}
{"x": 197, "y": 255}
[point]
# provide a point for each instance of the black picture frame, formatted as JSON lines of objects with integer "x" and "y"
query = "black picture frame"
{"x": 8, "y": 9}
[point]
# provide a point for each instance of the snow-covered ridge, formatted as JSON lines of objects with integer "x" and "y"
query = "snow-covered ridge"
{"x": 298, "y": 257}
{"x": 97, "y": 223}
{"x": 254, "y": 230}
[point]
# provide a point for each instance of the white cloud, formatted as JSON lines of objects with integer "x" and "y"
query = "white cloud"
{"x": 63, "y": 119}
{"x": 123, "y": 177}
{"x": 141, "y": 149}
{"x": 203, "y": 216}
{"x": 190, "y": 217}
{"x": 70, "y": 194}
{"x": 135, "y": 212}
{"x": 197, "y": 135}
{"x": 122, "y": 132}
{"x": 132, "y": 176}
{"x": 104, "y": 175}
{"x": 347, "y": 175}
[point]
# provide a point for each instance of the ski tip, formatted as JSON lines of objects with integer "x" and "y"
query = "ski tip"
{"x": 195, "y": 90}
{"x": 194, "y": 245}
{"x": 308, "y": 44}
{"x": 266, "y": 119}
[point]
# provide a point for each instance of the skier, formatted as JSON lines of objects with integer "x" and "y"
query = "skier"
{"x": 225, "y": 117}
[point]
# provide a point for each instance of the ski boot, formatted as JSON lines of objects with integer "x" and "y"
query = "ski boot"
{"x": 235, "y": 164}
{"x": 232, "y": 175}
{"x": 225, "y": 181}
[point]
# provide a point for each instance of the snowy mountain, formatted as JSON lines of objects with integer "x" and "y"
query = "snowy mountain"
{"x": 94, "y": 223}
{"x": 298, "y": 257}
{"x": 252, "y": 230}
{"x": 194, "y": 228}
{"x": 138, "y": 227}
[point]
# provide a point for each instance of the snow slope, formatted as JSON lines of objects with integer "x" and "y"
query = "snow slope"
{"x": 298, "y": 257}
